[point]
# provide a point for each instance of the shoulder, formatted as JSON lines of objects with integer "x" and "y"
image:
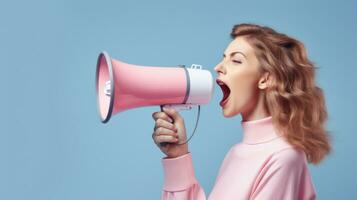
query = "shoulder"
{"x": 289, "y": 157}
{"x": 285, "y": 164}
{"x": 284, "y": 176}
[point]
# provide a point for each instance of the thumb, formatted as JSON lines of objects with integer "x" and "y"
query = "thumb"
{"x": 173, "y": 114}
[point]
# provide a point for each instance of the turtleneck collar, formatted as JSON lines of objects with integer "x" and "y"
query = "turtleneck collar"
{"x": 259, "y": 131}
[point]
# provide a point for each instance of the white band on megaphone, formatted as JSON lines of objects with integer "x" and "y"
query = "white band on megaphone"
{"x": 201, "y": 85}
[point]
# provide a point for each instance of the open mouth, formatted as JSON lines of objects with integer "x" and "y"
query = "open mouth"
{"x": 226, "y": 91}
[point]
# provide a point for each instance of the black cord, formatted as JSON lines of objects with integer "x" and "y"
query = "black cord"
{"x": 194, "y": 130}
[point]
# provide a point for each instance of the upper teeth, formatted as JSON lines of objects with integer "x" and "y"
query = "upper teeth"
{"x": 220, "y": 83}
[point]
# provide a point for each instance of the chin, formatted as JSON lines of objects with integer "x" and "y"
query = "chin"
{"x": 228, "y": 113}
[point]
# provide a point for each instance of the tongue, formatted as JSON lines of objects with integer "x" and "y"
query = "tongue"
{"x": 224, "y": 99}
{"x": 226, "y": 92}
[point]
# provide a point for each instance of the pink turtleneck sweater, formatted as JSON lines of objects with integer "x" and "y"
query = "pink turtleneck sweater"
{"x": 262, "y": 166}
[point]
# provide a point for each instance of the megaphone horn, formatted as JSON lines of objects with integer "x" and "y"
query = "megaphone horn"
{"x": 121, "y": 86}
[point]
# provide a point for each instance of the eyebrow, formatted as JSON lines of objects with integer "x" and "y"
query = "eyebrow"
{"x": 233, "y": 53}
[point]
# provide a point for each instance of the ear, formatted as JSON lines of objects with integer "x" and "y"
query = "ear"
{"x": 264, "y": 81}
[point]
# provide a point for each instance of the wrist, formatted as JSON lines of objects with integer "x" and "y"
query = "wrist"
{"x": 171, "y": 156}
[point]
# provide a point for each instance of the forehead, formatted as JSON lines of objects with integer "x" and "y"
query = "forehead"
{"x": 239, "y": 44}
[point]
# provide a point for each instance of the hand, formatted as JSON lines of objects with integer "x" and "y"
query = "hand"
{"x": 170, "y": 128}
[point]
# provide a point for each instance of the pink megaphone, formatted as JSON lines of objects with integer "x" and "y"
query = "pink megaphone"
{"x": 121, "y": 86}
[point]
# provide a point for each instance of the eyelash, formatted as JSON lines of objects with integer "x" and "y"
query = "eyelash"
{"x": 237, "y": 61}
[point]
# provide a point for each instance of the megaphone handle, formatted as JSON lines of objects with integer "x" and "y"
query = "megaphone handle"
{"x": 198, "y": 117}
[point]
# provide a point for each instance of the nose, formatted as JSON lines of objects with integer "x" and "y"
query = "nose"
{"x": 219, "y": 68}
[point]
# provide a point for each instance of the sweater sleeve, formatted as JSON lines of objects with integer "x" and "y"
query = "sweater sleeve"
{"x": 284, "y": 176}
{"x": 179, "y": 179}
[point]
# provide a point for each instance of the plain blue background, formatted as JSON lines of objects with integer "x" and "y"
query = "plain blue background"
{"x": 52, "y": 144}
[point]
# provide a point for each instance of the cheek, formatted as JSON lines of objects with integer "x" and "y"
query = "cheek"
{"x": 244, "y": 90}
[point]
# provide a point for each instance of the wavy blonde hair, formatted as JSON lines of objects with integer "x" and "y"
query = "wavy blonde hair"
{"x": 296, "y": 104}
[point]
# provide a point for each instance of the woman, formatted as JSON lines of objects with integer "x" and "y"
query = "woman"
{"x": 267, "y": 78}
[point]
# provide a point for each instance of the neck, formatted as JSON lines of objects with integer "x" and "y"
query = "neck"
{"x": 259, "y": 131}
{"x": 258, "y": 111}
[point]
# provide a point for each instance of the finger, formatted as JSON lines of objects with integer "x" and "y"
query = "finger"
{"x": 172, "y": 113}
{"x": 164, "y": 138}
{"x": 162, "y": 115}
{"x": 169, "y": 134}
{"x": 164, "y": 131}
{"x": 155, "y": 136}
{"x": 165, "y": 124}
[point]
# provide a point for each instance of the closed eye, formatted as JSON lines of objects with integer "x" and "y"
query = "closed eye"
{"x": 237, "y": 61}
